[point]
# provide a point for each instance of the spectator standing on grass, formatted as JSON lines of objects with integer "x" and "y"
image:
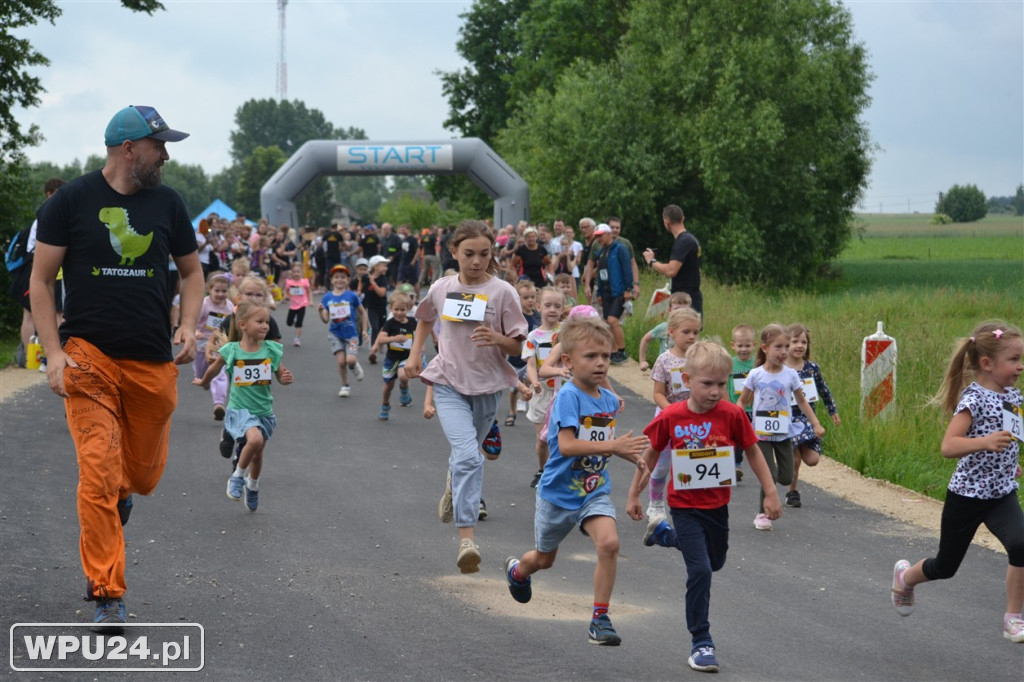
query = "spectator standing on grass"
{"x": 113, "y": 231}
{"x": 683, "y": 265}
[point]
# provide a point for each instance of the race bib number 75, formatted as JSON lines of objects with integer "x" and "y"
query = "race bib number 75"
{"x": 464, "y": 307}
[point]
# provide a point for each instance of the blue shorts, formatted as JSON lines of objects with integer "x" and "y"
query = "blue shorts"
{"x": 237, "y": 422}
{"x": 389, "y": 370}
{"x": 552, "y": 524}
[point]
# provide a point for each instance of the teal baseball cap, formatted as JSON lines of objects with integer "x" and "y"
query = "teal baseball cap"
{"x": 136, "y": 122}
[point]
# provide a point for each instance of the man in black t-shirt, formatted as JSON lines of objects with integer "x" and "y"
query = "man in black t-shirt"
{"x": 332, "y": 247}
{"x": 409, "y": 256}
{"x": 390, "y": 246}
{"x": 683, "y": 266}
{"x": 114, "y": 231}
{"x": 369, "y": 242}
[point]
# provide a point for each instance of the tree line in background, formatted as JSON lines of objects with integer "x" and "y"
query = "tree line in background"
{"x": 749, "y": 115}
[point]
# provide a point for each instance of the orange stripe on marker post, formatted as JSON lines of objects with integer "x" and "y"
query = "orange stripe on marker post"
{"x": 878, "y": 375}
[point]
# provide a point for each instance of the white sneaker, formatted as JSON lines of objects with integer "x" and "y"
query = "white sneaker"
{"x": 762, "y": 522}
{"x": 656, "y": 512}
{"x": 902, "y": 597}
{"x": 1013, "y": 630}
{"x": 357, "y": 370}
{"x": 343, "y": 392}
{"x": 297, "y": 342}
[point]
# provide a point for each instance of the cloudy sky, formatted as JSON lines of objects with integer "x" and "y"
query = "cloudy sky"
{"x": 948, "y": 98}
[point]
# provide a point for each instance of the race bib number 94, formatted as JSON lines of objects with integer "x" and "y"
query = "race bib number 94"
{"x": 464, "y": 307}
{"x": 252, "y": 372}
{"x": 703, "y": 468}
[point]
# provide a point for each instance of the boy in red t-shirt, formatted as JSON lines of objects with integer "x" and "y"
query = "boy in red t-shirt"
{"x": 703, "y": 432}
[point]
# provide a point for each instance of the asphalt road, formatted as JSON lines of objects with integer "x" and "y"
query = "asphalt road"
{"x": 345, "y": 573}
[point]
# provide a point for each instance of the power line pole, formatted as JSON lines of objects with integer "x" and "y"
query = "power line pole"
{"x": 282, "y": 65}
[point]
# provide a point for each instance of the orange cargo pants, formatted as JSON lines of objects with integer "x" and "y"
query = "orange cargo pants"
{"x": 119, "y": 414}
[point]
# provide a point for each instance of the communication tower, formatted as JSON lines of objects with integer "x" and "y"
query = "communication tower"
{"x": 282, "y": 65}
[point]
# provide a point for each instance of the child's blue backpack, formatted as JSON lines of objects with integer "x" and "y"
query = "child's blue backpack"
{"x": 17, "y": 251}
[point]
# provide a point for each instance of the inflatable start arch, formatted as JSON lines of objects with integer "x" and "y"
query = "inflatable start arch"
{"x": 470, "y": 156}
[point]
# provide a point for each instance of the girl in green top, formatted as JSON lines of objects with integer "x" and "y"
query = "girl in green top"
{"x": 250, "y": 416}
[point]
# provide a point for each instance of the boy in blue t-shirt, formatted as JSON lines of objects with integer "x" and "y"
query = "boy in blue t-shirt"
{"x": 574, "y": 489}
{"x": 339, "y": 307}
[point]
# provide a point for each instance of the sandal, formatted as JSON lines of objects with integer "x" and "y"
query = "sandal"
{"x": 510, "y": 420}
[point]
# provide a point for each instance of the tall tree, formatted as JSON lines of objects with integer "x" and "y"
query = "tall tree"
{"x": 287, "y": 126}
{"x": 514, "y": 47}
{"x": 1018, "y": 201}
{"x": 746, "y": 114}
{"x": 191, "y": 183}
{"x": 258, "y": 166}
{"x": 963, "y": 204}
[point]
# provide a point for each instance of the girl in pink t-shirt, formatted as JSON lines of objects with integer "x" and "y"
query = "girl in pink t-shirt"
{"x": 216, "y": 307}
{"x": 296, "y": 289}
{"x": 482, "y": 324}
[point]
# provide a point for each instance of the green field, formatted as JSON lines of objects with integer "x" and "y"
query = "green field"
{"x": 929, "y": 285}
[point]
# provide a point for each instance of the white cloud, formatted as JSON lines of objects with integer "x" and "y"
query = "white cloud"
{"x": 948, "y": 99}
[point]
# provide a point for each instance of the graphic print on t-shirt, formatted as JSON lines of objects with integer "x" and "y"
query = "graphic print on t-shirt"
{"x": 127, "y": 243}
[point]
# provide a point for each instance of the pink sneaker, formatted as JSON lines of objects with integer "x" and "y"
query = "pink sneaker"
{"x": 762, "y": 522}
{"x": 1013, "y": 629}
{"x": 902, "y": 597}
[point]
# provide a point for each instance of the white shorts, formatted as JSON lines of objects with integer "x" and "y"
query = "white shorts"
{"x": 538, "y": 409}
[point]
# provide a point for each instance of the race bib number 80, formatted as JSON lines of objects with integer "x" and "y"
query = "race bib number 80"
{"x": 771, "y": 422}
{"x": 703, "y": 468}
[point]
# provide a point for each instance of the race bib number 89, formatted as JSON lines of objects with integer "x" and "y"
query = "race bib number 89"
{"x": 703, "y": 468}
{"x": 596, "y": 429}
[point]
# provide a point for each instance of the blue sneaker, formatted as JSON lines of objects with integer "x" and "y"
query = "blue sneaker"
{"x": 124, "y": 509}
{"x": 662, "y": 533}
{"x": 703, "y": 659}
{"x": 492, "y": 443}
{"x": 602, "y": 632}
{"x": 110, "y": 614}
{"x": 235, "y": 485}
{"x": 404, "y": 399}
{"x": 385, "y": 412}
{"x": 521, "y": 591}
{"x": 252, "y": 498}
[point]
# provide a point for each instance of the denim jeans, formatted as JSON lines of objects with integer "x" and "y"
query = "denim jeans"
{"x": 465, "y": 420}
{"x": 703, "y": 538}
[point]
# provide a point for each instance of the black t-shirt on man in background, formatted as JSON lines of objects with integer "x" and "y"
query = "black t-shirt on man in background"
{"x": 686, "y": 250}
